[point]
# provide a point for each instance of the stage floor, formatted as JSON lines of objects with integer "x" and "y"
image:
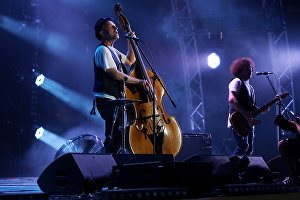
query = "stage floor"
{"x": 20, "y": 188}
{"x": 23, "y": 188}
{"x": 19, "y": 185}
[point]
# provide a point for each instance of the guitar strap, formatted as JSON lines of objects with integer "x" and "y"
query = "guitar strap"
{"x": 252, "y": 93}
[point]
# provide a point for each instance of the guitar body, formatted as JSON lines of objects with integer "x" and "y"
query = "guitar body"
{"x": 240, "y": 124}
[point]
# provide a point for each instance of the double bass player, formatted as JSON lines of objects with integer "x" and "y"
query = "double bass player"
{"x": 109, "y": 74}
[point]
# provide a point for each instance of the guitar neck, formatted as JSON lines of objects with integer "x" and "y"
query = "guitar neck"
{"x": 264, "y": 107}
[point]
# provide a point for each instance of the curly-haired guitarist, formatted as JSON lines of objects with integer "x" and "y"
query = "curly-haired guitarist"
{"x": 242, "y": 101}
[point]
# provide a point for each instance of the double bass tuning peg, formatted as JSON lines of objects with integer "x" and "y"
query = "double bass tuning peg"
{"x": 118, "y": 8}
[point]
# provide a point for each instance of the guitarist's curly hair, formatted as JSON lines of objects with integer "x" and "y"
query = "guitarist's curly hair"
{"x": 239, "y": 64}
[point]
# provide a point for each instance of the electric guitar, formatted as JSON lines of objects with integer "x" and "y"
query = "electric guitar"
{"x": 241, "y": 125}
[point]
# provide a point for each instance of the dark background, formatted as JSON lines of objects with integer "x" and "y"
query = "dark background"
{"x": 56, "y": 38}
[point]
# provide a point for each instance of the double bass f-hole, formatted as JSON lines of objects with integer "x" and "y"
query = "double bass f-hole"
{"x": 163, "y": 116}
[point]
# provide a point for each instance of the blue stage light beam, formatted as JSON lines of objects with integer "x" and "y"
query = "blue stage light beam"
{"x": 213, "y": 60}
{"x": 18, "y": 28}
{"x": 49, "y": 138}
{"x": 70, "y": 97}
{"x": 50, "y": 41}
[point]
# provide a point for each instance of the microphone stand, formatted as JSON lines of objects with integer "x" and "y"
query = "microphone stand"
{"x": 155, "y": 77}
{"x": 121, "y": 105}
{"x": 279, "y": 104}
{"x": 123, "y": 146}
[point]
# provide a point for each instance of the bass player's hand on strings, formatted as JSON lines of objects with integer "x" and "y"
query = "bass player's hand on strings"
{"x": 145, "y": 84}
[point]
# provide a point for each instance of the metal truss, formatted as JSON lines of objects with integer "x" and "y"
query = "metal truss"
{"x": 279, "y": 46}
{"x": 38, "y": 26}
{"x": 280, "y": 55}
{"x": 191, "y": 65}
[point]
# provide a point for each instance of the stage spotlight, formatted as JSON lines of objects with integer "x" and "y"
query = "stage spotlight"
{"x": 39, "y": 133}
{"x": 40, "y": 80}
{"x": 49, "y": 138}
{"x": 213, "y": 60}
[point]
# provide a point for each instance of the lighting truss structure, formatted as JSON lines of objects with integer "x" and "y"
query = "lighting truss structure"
{"x": 36, "y": 22}
{"x": 280, "y": 55}
{"x": 191, "y": 66}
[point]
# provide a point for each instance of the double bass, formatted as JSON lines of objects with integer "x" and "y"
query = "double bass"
{"x": 153, "y": 130}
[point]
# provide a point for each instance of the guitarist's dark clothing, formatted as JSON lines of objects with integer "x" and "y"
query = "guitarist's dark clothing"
{"x": 246, "y": 98}
{"x": 246, "y": 101}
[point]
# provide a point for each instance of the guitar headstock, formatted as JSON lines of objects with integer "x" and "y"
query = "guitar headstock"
{"x": 278, "y": 97}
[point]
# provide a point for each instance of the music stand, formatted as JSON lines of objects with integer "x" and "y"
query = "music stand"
{"x": 121, "y": 104}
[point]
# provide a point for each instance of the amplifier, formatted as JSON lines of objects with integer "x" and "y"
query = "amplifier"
{"x": 194, "y": 143}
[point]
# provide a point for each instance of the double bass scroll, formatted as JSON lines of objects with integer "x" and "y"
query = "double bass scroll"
{"x": 153, "y": 131}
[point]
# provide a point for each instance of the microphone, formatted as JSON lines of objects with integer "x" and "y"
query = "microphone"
{"x": 263, "y": 73}
{"x": 130, "y": 37}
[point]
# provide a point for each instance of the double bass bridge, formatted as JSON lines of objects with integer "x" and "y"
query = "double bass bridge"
{"x": 145, "y": 126}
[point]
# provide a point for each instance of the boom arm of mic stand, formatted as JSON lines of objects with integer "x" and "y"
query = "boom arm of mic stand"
{"x": 155, "y": 74}
{"x": 279, "y": 105}
{"x": 272, "y": 85}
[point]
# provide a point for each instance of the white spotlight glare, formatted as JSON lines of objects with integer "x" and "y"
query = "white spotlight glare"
{"x": 39, "y": 80}
{"x": 213, "y": 60}
{"x": 39, "y": 133}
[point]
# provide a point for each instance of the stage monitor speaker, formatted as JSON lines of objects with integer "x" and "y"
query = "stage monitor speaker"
{"x": 222, "y": 171}
{"x": 78, "y": 173}
{"x": 225, "y": 172}
{"x": 258, "y": 170}
{"x": 277, "y": 165}
{"x": 194, "y": 144}
{"x": 193, "y": 175}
